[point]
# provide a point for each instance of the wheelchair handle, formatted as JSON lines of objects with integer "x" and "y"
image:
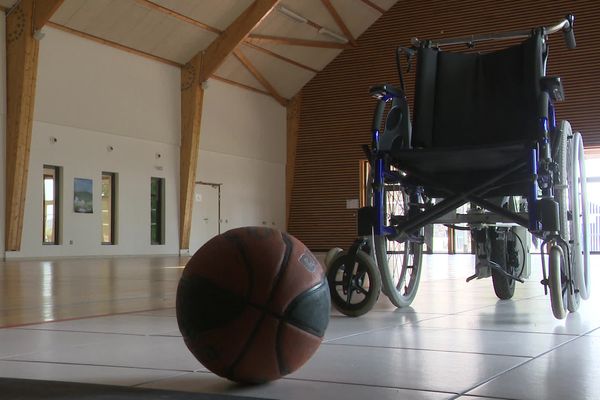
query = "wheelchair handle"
{"x": 565, "y": 25}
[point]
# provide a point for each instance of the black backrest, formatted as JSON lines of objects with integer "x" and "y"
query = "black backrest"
{"x": 478, "y": 99}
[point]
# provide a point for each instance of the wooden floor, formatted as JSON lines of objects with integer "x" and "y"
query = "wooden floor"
{"x": 41, "y": 291}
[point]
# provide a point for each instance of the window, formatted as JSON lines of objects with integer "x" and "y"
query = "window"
{"x": 157, "y": 211}
{"x": 51, "y": 205}
{"x": 108, "y": 202}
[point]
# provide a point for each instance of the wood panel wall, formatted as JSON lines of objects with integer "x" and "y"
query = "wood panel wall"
{"x": 336, "y": 109}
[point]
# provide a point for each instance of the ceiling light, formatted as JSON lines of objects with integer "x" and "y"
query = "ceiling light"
{"x": 292, "y": 14}
{"x": 327, "y": 32}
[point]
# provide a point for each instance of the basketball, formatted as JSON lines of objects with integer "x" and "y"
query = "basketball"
{"x": 253, "y": 304}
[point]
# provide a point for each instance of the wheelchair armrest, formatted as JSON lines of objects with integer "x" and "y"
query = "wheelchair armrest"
{"x": 554, "y": 87}
{"x": 385, "y": 92}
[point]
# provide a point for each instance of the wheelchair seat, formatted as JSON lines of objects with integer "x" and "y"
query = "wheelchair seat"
{"x": 465, "y": 167}
{"x": 475, "y": 113}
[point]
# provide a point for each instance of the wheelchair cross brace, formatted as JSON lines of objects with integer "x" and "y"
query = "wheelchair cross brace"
{"x": 454, "y": 201}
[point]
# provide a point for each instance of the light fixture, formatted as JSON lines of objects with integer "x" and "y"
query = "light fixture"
{"x": 292, "y": 14}
{"x": 327, "y": 32}
{"x": 38, "y": 35}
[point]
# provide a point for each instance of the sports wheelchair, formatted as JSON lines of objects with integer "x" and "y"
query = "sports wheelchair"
{"x": 484, "y": 133}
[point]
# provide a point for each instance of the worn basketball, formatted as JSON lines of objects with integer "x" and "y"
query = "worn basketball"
{"x": 253, "y": 304}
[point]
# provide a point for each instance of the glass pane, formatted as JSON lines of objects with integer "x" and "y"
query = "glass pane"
{"x": 462, "y": 241}
{"x": 440, "y": 238}
{"x": 49, "y": 206}
{"x": 107, "y": 201}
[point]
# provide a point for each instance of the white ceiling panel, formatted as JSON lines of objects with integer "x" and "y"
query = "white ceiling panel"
{"x": 287, "y": 79}
{"x": 66, "y": 11}
{"x": 385, "y": 4}
{"x": 316, "y": 58}
{"x": 234, "y": 70}
{"x": 216, "y": 13}
{"x": 87, "y": 13}
{"x": 138, "y": 24}
{"x": 183, "y": 42}
{"x": 356, "y": 15}
{"x": 116, "y": 21}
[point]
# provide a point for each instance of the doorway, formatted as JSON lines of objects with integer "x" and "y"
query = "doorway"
{"x": 206, "y": 214}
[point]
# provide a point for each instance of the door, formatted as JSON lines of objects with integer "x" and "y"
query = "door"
{"x": 205, "y": 215}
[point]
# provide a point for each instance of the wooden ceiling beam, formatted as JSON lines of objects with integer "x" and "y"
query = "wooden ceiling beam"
{"x": 280, "y": 57}
{"x": 374, "y": 6}
{"x": 239, "y": 84}
{"x": 113, "y": 44}
{"x": 43, "y": 11}
{"x": 257, "y": 39}
{"x": 218, "y": 50}
{"x": 259, "y": 77}
{"x": 140, "y": 53}
{"x": 179, "y": 16}
{"x": 185, "y": 18}
{"x": 339, "y": 21}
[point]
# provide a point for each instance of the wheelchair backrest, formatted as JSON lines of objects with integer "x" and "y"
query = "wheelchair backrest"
{"x": 466, "y": 99}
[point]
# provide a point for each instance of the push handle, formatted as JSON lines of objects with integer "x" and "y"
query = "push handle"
{"x": 569, "y": 33}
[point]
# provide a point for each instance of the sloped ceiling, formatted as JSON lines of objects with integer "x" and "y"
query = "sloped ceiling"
{"x": 296, "y": 40}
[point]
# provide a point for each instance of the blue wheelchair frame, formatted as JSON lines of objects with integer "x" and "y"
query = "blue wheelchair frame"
{"x": 541, "y": 218}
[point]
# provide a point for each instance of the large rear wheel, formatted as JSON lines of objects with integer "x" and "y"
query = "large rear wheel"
{"x": 399, "y": 263}
{"x": 579, "y": 220}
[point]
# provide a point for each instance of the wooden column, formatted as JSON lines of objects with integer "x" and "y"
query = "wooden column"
{"x": 194, "y": 73}
{"x": 21, "y": 73}
{"x": 293, "y": 124}
{"x": 191, "y": 113}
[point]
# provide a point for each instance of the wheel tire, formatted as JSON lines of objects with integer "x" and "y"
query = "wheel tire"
{"x": 331, "y": 255}
{"x": 579, "y": 221}
{"x": 569, "y": 228}
{"x": 556, "y": 282}
{"x": 364, "y": 288}
{"x": 504, "y": 287}
{"x": 394, "y": 268}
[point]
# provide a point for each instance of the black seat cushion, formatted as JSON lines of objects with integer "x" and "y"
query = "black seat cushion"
{"x": 466, "y": 167}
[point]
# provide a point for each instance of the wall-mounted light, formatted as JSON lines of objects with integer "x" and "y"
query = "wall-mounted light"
{"x": 292, "y": 14}
{"x": 53, "y": 139}
{"x": 109, "y": 148}
{"x": 38, "y": 35}
{"x": 327, "y": 32}
{"x": 158, "y": 156}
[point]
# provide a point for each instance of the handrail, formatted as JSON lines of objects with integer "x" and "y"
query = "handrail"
{"x": 565, "y": 25}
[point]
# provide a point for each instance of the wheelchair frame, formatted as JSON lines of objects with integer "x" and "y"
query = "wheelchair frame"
{"x": 541, "y": 219}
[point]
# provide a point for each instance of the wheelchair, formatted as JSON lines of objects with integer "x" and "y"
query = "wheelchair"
{"x": 484, "y": 133}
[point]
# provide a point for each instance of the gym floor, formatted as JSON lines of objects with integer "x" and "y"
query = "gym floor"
{"x": 112, "y": 321}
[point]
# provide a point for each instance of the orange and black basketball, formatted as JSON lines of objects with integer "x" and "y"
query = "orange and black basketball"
{"x": 253, "y": 304}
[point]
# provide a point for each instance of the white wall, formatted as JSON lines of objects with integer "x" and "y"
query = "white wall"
{"x": 2, "y": 125}
{"x": 242, "y": 146}
{"x": 90, "y": 96}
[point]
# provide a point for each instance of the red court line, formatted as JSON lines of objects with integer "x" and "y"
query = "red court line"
{"x": 84, "y": 317}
